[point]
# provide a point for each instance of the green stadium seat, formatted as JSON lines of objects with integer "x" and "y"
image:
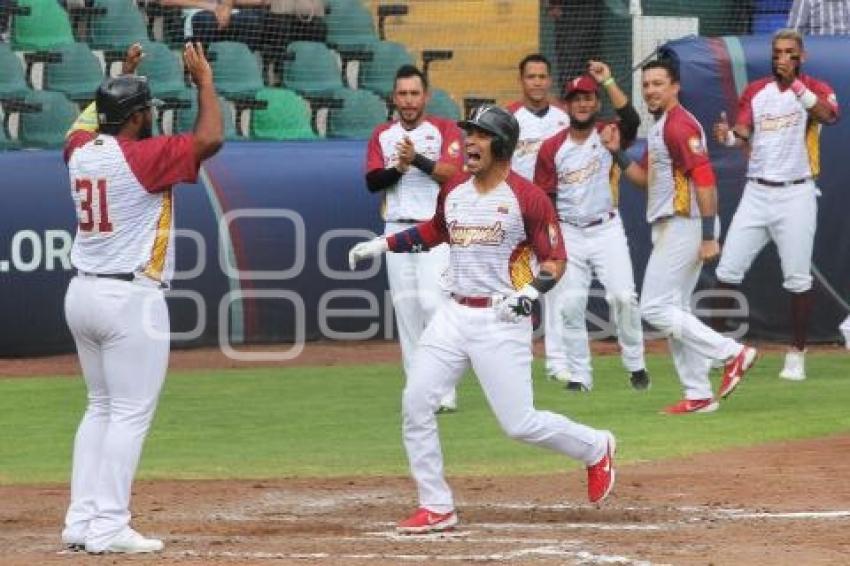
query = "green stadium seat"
{"x": 350, "y": 25}
{"x": 48, "y": 127}
{"x": 378, "y": 75}
{"x": 236, "y": 70}
{"x": 287, "y": 117}
{"x": 361, "y": 111}
{"x": 121, "y": 26}
{"x": 13, "y": 82}
{"x": 45, "y": 27}
{"x": 311, "y": 67}
{"x": 184, "y": 119}
{"x": 164, "y": 71}
{"x": 78, "y": 74}
{"x": 441, "y": 104}
{"x": 5, "y": 142}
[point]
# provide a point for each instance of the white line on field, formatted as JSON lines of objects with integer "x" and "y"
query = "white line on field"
{"x": 797, "y": 515}
{"x": 557, "y": 550}
{"x": 560, "y": 526}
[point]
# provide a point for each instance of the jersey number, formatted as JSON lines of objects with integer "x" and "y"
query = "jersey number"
{"x": 94, "y": 208}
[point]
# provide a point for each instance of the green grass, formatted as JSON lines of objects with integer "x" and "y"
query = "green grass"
{"x": 345, "y": 421}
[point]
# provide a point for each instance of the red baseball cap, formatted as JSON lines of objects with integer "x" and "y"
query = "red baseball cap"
{"x": 581, "y": 83}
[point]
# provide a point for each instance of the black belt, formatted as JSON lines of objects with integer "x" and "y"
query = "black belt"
{"x": 769, "y": 183}
{"x": 119, "y": 276}
{"x": 406, "y": 221}
{"x": 596, "y": 222}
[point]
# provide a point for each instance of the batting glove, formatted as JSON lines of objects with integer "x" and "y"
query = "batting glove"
{"x": 365, "y": 250}
{"x": 517, "y": 306}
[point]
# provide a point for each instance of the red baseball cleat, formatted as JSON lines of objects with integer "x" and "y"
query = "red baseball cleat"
{"x": 601, "y": 475}
{"x": 692, "y": 406}
{"x": 735, "y": 370}
{"x": 425, "y": 521}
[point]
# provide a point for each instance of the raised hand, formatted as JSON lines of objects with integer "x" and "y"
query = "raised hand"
{"x": 132, "y": 59}
{"x": 599, "y": 71}
{"x": 197, "y": 64}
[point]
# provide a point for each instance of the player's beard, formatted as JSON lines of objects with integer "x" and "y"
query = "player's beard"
{"x": 146, "y": 131}
{"x": 582, "y": 125}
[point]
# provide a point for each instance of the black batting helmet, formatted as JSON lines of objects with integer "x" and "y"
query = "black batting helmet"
{"x": 497, "y": 122}
{"x": 119, "y": 98}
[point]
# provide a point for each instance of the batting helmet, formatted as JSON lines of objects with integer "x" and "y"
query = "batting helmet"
{"x": 500, "y": 124}
{"x": 119, "y": 98}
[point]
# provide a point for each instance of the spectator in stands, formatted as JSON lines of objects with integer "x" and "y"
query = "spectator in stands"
{"x": 4, "y": 20}
{"x": 300, "y": 20}
{"x": 578, "y": 29}
{"x": 820, "y": 17}
{"x": 206, "y": 21}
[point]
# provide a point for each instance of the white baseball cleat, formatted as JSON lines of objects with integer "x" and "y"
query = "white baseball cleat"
{"x": 795, "y": 365}
{"x": 563, "y": 376}
{"x": 129, "y": 542}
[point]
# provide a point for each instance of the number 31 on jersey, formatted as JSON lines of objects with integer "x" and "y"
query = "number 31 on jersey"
{"x": 93, "y": 209}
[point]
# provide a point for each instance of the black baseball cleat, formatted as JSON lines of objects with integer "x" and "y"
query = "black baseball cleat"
{"x": 576, "y": 386}
{"x": 640, "y": 380}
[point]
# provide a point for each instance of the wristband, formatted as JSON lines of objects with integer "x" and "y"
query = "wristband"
{"x": 423, "y": 163}
{"x": 607, "y": 82}
{"x": 543, "y": 282}
{"x": 622, "y": 159}
{"x": 708, "y": 223}
{"x": 730, "y": 139}
{"x": 806, "y": 97}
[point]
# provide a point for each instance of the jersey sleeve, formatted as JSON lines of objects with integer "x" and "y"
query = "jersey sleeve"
{"x": 684, "y": 141}
{"x": 545, "y": 173}
{"x": 541, "y": 224}
{"x": 451, "y": 152}
{"x": 75, "y": 140}
{"x": 374, "y": 153}
{"x": 160, "y": 162}
{"x": 824, "y": 92}
{"x": 745, "y": 105}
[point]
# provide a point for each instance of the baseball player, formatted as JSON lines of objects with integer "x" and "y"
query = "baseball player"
{"x": 778, "y": 122}
{"x": 123, "y": 252}
{"x": 407, "y": 160}
{"x": 493, "y": 220}
{"x": 579, "y": 174}
{"x": 845, "y": 331}
{"x": 539, "y": 119}
{"x": 682, "y": 209}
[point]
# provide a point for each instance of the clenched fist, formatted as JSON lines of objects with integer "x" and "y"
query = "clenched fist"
{"x": 365, "y": 250}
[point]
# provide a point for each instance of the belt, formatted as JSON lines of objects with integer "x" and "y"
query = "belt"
{"x": 474, "y": 302}
{"x": 119, "y": 276}
{"x": 769, "y": 183}
{"x": 405, "y": 221}
{"x": 596, "y": 222}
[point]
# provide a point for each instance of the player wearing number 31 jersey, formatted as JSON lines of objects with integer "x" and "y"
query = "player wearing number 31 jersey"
{"x": 121, "y": 180}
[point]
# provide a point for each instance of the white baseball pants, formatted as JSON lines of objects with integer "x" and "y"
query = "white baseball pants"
{"x": 665, "y": 303}
{"x": 415, "y": 284}
{"x": 786, "y": 215}
{"x": 602, "y": 249}
{"x": 500, "y": 354}
{"x": 121, "y": 330}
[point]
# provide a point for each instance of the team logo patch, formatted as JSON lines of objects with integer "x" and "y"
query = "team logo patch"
{"x": 454, "y": 149}
{"x": 553, "y": 235}
{"x": 696, "y": 145}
